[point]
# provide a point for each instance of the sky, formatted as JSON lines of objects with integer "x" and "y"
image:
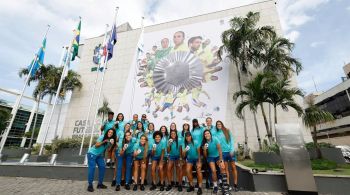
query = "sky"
{"x": 319, "y": 28}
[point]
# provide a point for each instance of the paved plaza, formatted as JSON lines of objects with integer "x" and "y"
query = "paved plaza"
{"x": 43, "y": 186}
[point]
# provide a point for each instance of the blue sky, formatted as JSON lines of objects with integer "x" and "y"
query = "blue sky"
{"x": 319, "y": 28}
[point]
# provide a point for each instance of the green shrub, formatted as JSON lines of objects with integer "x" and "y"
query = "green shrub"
{"x": 74, "y": 142}
{"x": 323, "y": 164}
{"x": 270, "y": 148}
{"x": 311, "y": 145}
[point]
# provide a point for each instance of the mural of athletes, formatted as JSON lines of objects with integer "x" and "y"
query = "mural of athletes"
{"x": 179, "y": 77}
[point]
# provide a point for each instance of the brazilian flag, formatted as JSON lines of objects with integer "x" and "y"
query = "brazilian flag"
{"x": 75, "y": 44}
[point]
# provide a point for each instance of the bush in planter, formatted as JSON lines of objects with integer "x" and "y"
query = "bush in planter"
{"x": 323, "y": 164}
{"x": 270, "y": 148}
{"x": 36, "y": 149}
{"x": 239, "y": 153}
{"x": 311, "y": 145}
{"x": 73, "y": 142}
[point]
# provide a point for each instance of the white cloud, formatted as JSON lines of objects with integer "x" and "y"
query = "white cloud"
{"x": 295, "y": 13}
{"x": 293, "y": 35}
{"x": 317, "y": 44}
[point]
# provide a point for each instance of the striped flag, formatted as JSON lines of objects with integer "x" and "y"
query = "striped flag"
{"x": 75, "y": 44}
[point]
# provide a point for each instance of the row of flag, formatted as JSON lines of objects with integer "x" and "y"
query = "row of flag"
{"x": 106, "y": 51}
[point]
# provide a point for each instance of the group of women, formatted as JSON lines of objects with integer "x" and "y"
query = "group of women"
{"x": 201, "y": 149}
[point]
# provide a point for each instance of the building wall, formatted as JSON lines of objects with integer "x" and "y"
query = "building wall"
{"x": 19, "y": 125}
{"x": 124, "y": 52}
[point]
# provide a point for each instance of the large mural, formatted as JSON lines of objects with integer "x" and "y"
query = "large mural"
{"x": 179, "y": 77}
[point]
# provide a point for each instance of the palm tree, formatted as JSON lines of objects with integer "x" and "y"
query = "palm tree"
{"x": 103, "y": 111}
{"x": 50, "y": 84}
{"x": 40, "y": 75}
{"x": 5, "y": 116}
{"x": 280, "y": 94}
{"x": 275, "y": 56}
{"x": 254, "y": 95}
{"x": 239, "y": 43}
{"x": 314, "y": 116}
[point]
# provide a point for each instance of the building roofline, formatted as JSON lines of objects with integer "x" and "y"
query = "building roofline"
{"x": 162, "y": 23}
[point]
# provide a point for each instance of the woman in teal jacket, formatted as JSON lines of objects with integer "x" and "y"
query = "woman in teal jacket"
{"x": 191, "y": 150}
{"x": 157, "y": 153}
{"x": 213, "y": 153}
{"x": 227, "y": 146}
{"x": 174, "y": 150}
{"x": 140, "y": 161}
{"x": 95, "y": 156}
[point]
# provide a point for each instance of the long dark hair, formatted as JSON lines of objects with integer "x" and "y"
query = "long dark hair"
{"x": 195, "y": 124}
{"x": 176, "y": 138}
{"x": 172, "y": 124}
{"x": 204, "y": 140}
{"x": 224, "y": 129}
{"x": 142, "y": 130}
{"x": 149, "y": 125}
{"x": 188, "y": 134}
{"x": 114, "y": 137}
{"x": 124, "y": 139}
{"x": 183, "y": 129}
{"x": 166, "y": 130}
{"x": 121, "y": 115}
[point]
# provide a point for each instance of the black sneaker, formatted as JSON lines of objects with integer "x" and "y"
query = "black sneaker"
{"x": 101, "y": 186}
{"x": 112, "y": 165}
{"x": 117, "y": 188}
{"x": 207, "y": 186}
{"x": 90, "y": 188}
{"x": 153, "y": 187}
{"x": 127, "y": 186}
{"x": 235, "y": 188}
{"x": 179, "y": 188}
{"x": 199, "y": 192}
{"x": 215, "y": 190}
{"x": 108, "y": 164}
{"x": 161, "y": 188}
{"x": 168, "y": 188}
{"x": 135, "y": 187}
{"x": 142, "y": 187}
{"x": 113, "y": 183}
{"x": 122, "y": 183}
{"x": 190, "y": 189}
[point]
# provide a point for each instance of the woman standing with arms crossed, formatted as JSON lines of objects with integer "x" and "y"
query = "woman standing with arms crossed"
{"x": 140, "y": 162}
{"x": 191, "y": 150}
{"x": 95, "y": 156}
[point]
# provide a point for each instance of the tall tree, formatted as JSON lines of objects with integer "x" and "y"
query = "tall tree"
{"x": 254, "y": 95}
{"x": 239, "y": 44}
{"x": 281, "y": 94}
{"x": 275, "y": 56}
{"x": 5, "y": 116}
{"x": 104, "y": 109}
{"x": 314, "y": 116}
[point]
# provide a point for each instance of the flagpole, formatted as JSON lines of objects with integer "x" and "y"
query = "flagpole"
{"x": 100, "y": 91}
{"x": 67, "y": 61}
{"x": 18, "y": 101}
{"x": 135, "y": 72}
{"x": 91, "y": 99}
